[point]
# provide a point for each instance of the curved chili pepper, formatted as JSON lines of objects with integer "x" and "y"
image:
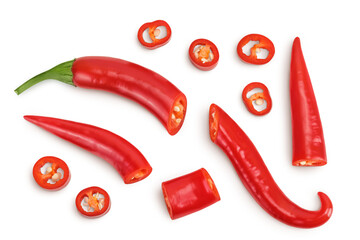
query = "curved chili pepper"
{"x": 189, "y": 193}
{"x": 257, "y": 179}
{"x": 258, "y": 98}
{"x": 91, "y": 204}
{"x": 122, "y": 155}
{"x": 52, "y": 179}
{"x": 204, "y": 54}
{"x": 264, "y": 43}
{"x": 154, "y": 32}
{"x": 307, "y": 133}
{"x": 127, "y": 79}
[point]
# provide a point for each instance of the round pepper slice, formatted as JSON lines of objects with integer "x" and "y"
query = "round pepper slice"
{"x": 203, "y": 54}
{"x": 258, "y": 98}
{"x": 263, "y": 43}
{"x": 154, "y": 33}
{"x": 52, "y": 179}
{"x": 91, "y": 204}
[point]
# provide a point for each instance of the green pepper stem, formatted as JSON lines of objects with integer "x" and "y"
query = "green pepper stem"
{"x": 61, "y": 72}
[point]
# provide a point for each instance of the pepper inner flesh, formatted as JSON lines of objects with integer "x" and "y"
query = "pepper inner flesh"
{"x": 93, "y": 202}
{"x": 139, "y": 175}
{"x": 177, "y": 113}
{"x": 307, "y": 162}
{"x": 157, "y": 32}
{"x": 258, "y": 101}
{"x": 52, "y": 173}
{"x": 213, "y": 123}
{"x": 255, "y": 49}
{"x": 203, "y": 53}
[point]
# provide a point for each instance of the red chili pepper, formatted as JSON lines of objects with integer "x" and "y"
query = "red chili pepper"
{"x": 257, "y": 179}
{"x": 263, "y": 43}
{"x": 53, "y": 178}
{"x": 189, "y": 193}
{"x": 154, "y": 32}
{"x": 122, "y": 155}
{"x": 259, "y": 98}
{"x": 124, "y": 78}
{"x": 90, "y": 203}
{"x": 308, "y": 138}
{"x": 204, "y": 54}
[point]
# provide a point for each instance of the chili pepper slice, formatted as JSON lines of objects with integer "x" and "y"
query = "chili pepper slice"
{"x": 90, "y": 203}
{"x": 154, "y": 33}
{"x": 307, "y": 133}
{"x": 189, "y": 193}
{"x": 204, "y": 54}
{"x": 53, "y": 178}
{"x": 257, "y": 179}
{"x": 263, "y": 43}
{"x": 124, "y": 78}
{"x": 259, "y": 98}
{"x": 122, "y": 155}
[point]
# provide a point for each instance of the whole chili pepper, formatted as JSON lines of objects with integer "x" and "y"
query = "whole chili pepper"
{"x": 203, "y": 54}
{"x": 307, "y": 133}
{"x": 154, "y": 33}
{"x": 259, "y": 98}
{"x": 91, "y": 204}
{"x": 124, "y": 78}
{"x": 263, "y": 43}
{"x": 52, "y": 179}
{"x": 189, "y": 193}
{"x": 122, "y": 155}
{"x": 257, "y": 179}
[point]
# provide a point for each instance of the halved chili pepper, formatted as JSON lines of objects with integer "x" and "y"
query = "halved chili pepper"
{"x": 204, "y": 54}
{"x": 307, "y": 133}
{"x": 257, "y": 179}
{"x": 189, "y": 193}
{"x": 154, "y": 33}
{"x": 263, "y": 43}
{"x": 127, "y": 79}
{"x": 53, "y": 178}
{"x": 122, "y": 155}
{"x": 90, "y": 203}
{"x": 259, "y": 98}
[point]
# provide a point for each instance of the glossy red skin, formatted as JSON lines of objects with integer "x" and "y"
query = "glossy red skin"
{"x": 133, "y": 81}
{"x": 198, "y": 63}
{"x": 265, "y": 95}
{"x": 122, "y": 155}
{"x": 264, "y": 42}
{"x": 257, "y": 179}
{"x": 189, "y": 193}
{"x": 155, "y": 41}
{"x": 307, "y": 133}
{"x": 87, "y": 192}
{"x": 57, "y": 163}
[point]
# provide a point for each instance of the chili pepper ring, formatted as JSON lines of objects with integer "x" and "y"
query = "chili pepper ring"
{"x": 153, "y": 32}
{"x": 52, "y": 179}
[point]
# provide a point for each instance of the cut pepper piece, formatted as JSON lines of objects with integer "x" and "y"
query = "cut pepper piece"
{"x": 203, "y": 54}
{"x": 189, "y": 193}
{"x": 263, "y": 43}
{"x": 53, "y": 178}
{"x": 258, "y": 98}
{"x": 154, "y": 33}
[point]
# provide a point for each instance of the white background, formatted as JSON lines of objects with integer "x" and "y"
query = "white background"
{"x": 37, "y": 35}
